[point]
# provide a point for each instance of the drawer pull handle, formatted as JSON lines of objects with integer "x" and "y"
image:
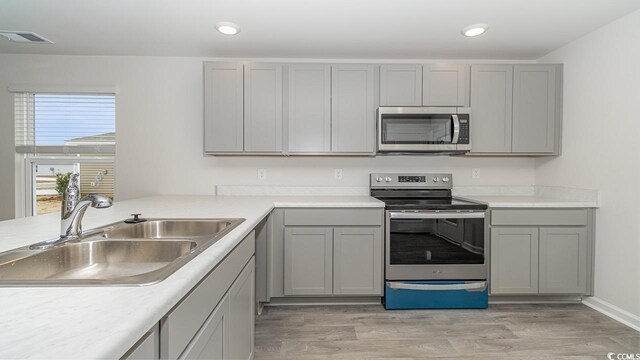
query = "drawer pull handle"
{"x": 467, "y": 286}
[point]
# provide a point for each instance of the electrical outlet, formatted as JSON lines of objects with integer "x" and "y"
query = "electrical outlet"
{"x": 337, "y": 174}
{"x": 475, "y": 173}
{"x": 262, "y": 174}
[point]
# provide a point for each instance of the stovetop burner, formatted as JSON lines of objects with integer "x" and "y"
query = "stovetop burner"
{"x": 413, "y": 204}
{"x": 418, "y": 192}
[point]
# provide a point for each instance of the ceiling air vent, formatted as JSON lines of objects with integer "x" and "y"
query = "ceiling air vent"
{"x": 24, "y": 37}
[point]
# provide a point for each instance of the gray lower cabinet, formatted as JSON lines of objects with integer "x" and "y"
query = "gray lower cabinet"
{"x": 542, "y": 251}
{"x": 309, "y": 108}
{"x": 400, "y": 85}
{"x": 263, "y": 107}
{"x": 147, "y": 348}
{"x": 321, "y": 260}
{"x": 563, "y": 260}
{"x": 445, "y": 85}
{"x": 308, "y": 260}
{"x": 223, "y": 107}
{"x": 242, "y": 313}
{"x": 353, "y": 124}
{"x": 514, "y": 260}
{"x": 216, "y": 319}
{"x": 535, "y": 108}
{"x": 491, "y": 104}
{"x": 212, "y": 340}
{"x": 357, "y": 260}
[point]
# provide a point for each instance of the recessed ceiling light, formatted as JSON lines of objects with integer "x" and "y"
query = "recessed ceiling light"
{"x": 475, "y": 30}
{"x": 227, "y": 28}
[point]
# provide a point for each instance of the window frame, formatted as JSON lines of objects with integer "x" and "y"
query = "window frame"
{"x": 24, "y": 161}
{"x": 28, "y": 203}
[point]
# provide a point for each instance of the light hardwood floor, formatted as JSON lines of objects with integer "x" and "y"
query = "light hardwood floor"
{"x": 567, "y": 331}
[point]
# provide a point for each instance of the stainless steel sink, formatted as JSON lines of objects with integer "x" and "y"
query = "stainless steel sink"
{"x": 118, "y": 254}
{"x": 159, "y": 229}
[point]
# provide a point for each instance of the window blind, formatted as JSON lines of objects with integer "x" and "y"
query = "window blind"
{"x": 65, "y": 123}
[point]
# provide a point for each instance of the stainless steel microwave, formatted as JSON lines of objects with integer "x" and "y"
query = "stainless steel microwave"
{"x": 423, "y": 129}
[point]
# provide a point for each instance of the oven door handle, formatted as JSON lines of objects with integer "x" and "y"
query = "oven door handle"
{"x": 479, "y": 286}
{"x": 435, "y": 215}
{"x": 456, "y": 129}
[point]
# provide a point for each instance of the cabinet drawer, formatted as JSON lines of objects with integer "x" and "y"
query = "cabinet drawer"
{"x": 333, "y": 217}
{"x": 183, "y": 322}
{"x": 540, "y": 217}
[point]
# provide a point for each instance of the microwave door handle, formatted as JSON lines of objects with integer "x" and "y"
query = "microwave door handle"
{"x": 456, "y": 129}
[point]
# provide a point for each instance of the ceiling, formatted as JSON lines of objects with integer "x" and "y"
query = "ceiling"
{"x": 348, "y": 29}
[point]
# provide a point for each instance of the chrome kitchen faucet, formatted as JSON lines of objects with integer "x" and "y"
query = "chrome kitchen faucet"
{"x": 73, "y": 209}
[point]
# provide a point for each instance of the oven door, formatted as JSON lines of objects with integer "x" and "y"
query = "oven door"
{"x": 429, "y": 245}
{"x": 406, "y": 129}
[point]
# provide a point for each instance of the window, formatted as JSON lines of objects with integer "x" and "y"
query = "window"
{"x": 58, "y": 134}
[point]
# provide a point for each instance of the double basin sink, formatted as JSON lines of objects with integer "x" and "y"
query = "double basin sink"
{"x": 118, "y": 254}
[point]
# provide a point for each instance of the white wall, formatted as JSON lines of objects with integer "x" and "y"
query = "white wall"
{"x": 159, "y": 133}
{"x": 601, "y": 149}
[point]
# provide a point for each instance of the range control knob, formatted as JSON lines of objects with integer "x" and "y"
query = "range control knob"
{"x": 387, "y": 179}
{"x": 379, "y": 179}
{"x": 435, "y": 179}
{"x": 445, "y": 179}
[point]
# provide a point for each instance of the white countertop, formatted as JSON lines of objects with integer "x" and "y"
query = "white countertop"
{"x": 104, "y": 322}
{"x": 532, "y": 201}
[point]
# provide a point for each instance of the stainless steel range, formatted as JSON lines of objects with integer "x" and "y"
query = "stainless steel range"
{"x": 435, "y": 244}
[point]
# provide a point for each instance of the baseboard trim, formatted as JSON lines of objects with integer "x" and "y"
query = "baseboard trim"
{"x": 614, "y": 312}
{"x": 365, "y": 300}
{"x": 535, "y": 299}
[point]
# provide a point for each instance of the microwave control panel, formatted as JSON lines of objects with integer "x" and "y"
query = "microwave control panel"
{"x": 463, "y": 137}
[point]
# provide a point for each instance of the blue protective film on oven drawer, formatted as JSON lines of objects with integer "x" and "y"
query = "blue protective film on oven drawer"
{"x": 436, "y": 299}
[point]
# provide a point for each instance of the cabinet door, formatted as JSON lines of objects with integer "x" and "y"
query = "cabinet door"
{"x": 352, "y": 111}
{"x": 263, "y": 107}
{"x": 445, "y": 85}
{"x": 147, "y": 348}
{"x": 211, "y": 341}
{"x": 242, "y": 311}
{"x": 309, "y": 108}
{"x": 357, "y": 261}
{"x": 308, "y": 260}
{"x": 223, "y": 117}
{"x": 534, "y": 108}
{"x": 401, "y": 85}
{"x": 563, "y": 260}
{"x": 491, "y": 106}
{"x": 514, "y": 260}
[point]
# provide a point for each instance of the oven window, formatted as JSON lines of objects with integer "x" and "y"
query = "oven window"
{"x": 405, "y": 129}
{"x": 436, "y": 241}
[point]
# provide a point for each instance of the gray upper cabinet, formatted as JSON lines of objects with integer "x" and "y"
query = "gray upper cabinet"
{"x": 223, "y": 107}
{"x": 563, "y": 260}
{"x": 491, "y": 106}
{"x": 514, "y": 260}
{"x": 516, "y": 109}
{"x": 309, "y": 108}
{"x": 308, "y": 260}
{"x": 535, "y": 108}
{"x": 357, "y": 261}
{"x": 262, "y": 107}
{"x": 352, "y": 112}
{"x": 445, "y": 85}
{"x": 401, "y": 85}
